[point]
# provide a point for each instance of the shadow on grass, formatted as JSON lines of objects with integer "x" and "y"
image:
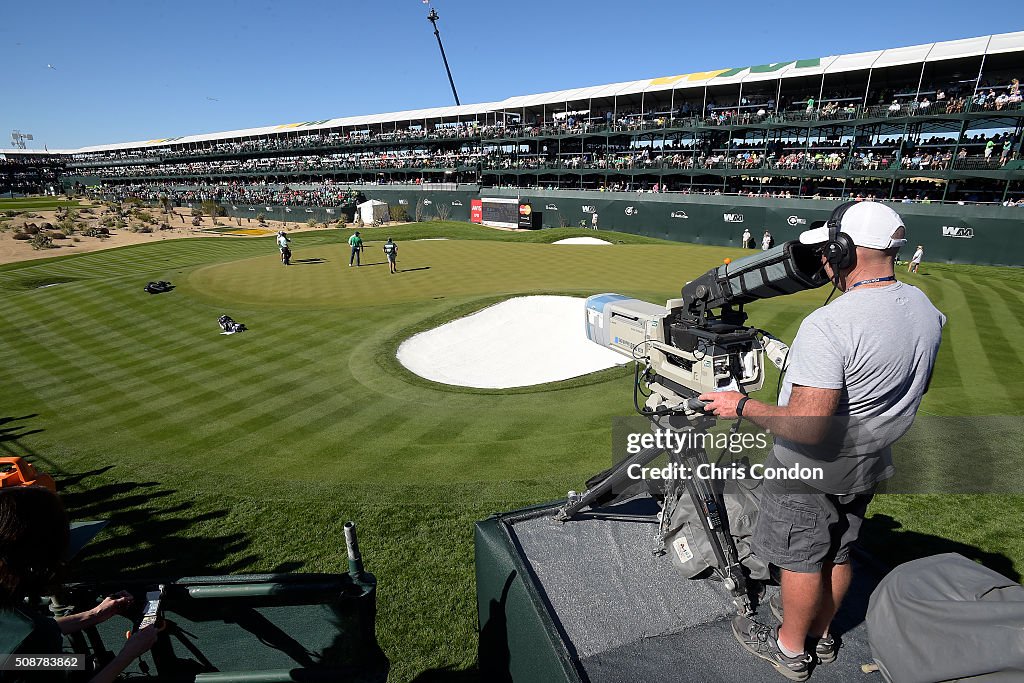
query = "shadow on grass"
{"x": 886, "y": 539}
{"x": 12, "y": 432}
{"x": 152, "y": 531}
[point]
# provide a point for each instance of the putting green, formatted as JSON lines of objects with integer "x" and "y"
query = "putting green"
{"x": 320, "y": 276}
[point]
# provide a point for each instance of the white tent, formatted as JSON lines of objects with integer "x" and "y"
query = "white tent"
{"x": 374, "y": 211}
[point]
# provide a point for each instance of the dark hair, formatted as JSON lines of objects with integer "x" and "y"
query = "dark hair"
{"x": 33, "y": 540}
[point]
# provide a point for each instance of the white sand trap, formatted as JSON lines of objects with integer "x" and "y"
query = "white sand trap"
{"x": 581, "y": 240}
{"x": 519, "y": 342}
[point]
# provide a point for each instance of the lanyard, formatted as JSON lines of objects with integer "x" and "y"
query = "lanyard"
{"x": 891, "y": 278}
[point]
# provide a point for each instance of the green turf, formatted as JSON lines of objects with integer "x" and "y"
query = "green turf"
{"x": 34, "y": 203}
{"x": 248, "y": 453}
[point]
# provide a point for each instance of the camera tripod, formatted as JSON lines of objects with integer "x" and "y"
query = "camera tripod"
{"x": 687, "y": 419}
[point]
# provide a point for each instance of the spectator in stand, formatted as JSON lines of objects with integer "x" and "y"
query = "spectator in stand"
{"x": 989, "y": 146}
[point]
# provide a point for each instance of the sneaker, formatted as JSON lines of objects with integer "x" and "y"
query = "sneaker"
{"x": 825, "y": 649}
{"x": 762, "y": 641}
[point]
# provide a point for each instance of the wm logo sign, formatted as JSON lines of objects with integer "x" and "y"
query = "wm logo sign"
{"x": 957, "y": 231}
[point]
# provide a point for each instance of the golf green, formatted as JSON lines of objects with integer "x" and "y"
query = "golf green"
{"x": 247, "y": 453}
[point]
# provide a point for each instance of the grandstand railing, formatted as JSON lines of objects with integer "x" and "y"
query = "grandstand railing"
{"x": 497, "y": 134}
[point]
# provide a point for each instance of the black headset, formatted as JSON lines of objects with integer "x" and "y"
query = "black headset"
{"x": 839, "y": 251}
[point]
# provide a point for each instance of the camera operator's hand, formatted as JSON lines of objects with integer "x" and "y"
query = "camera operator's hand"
{"x": 138, "y": 644}
{"x": 722, "y": 403}
{"x": 141, "y": 641}
{"x": 111, "y": 605}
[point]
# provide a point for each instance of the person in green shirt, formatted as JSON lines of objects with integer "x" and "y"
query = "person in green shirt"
{"x": 356, "y": 242}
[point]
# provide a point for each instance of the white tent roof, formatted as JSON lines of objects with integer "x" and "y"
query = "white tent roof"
{"x": 953, "y": 49}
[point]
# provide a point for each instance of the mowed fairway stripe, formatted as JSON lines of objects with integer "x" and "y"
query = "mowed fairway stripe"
{"x": 980, "y": 381}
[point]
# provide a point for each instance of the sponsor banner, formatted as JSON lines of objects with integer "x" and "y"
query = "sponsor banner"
{"x": 631, "y": 211}
{"x": 796, "y": 220}
{"x": 957, "y": 231}
{"x": 525, "y": 216}
{"x": 476, "y": 211}
{"x": 678, "y": 214}
{"x": 732, "y": 217}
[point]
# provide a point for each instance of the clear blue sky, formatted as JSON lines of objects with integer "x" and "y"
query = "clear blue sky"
{"x": 125, "y": 71}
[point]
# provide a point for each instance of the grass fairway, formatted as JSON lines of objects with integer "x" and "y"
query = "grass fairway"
{"x": 33, "y": 203}
{"x": 213, "y": 453}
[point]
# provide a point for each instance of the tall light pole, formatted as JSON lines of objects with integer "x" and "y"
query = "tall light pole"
{"x": 432, "y": 18}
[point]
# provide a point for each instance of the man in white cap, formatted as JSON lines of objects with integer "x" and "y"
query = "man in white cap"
{"x": 856, "y": 360}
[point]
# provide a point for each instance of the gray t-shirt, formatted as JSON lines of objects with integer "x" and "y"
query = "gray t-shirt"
{"x": 878, "y": 345}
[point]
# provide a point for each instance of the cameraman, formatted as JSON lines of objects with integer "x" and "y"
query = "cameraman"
{"x": 856, "y": 359}
{"x": 34, "y": 536}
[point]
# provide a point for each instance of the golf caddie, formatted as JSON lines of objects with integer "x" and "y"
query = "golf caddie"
{"x": 856, "y": 374}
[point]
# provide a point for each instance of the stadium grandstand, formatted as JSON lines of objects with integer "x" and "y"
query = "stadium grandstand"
{"x": 939, "y": 123}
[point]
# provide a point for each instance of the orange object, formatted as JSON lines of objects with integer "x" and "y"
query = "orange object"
{"x": 19, "y": 472}
{"x": 728, "y": 261}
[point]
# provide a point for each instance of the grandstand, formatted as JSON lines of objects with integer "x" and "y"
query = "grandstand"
{"x": 929, "y": 124}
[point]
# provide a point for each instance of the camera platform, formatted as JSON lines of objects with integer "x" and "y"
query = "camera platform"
{"x": 589, "y": 601}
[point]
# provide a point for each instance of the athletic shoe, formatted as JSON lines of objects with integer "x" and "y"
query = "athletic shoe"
{"x": 826, "y": 649}
{"x": 762, "y": 641}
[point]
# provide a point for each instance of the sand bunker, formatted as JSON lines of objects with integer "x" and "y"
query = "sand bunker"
{"x": 581, "y": 240}
{"x": 520, "y": 342}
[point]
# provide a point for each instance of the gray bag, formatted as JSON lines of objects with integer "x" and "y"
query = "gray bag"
{"x": 688, "y": 544}
{"x": 945, "y": 618}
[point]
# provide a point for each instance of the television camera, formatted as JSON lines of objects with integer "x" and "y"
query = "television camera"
{"x": 698, "y": 343}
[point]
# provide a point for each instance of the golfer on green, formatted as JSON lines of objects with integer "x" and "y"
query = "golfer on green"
{"x": 356, "y": 242}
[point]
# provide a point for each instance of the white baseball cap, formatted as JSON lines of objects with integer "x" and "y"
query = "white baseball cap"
{"x": 869, "y": 224}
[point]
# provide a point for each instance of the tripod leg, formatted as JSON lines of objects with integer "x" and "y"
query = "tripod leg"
{"x": 715, "y": 521}
{"x": 616, "y": 476}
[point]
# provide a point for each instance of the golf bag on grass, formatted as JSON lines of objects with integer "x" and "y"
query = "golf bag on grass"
{"x": 229, "y": 326}
{"x": 945, "y": 618}
{"x": 158, "y": 287}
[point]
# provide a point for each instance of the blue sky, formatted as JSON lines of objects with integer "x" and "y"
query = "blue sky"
{"x": 127, "y": 71}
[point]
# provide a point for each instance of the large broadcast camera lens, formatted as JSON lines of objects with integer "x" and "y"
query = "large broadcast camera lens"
{"x": 788, "y": 268}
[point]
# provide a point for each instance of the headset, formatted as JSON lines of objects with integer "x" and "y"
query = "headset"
{"x": 839, "y": 251}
